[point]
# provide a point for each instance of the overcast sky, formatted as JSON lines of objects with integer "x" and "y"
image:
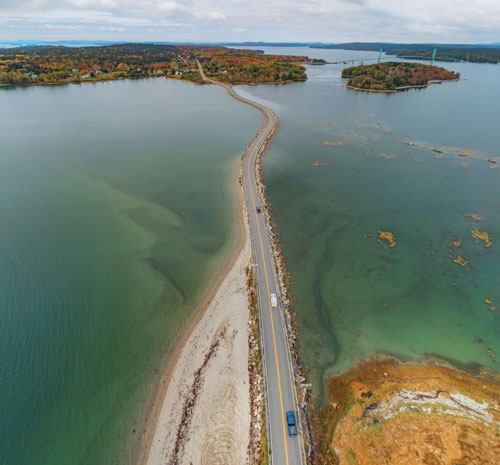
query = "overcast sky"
{"x": 445, "y": 21}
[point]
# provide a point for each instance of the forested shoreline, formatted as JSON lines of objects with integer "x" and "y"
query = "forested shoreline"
{"x": 469, "y": 53}
{"x": 64, "y": 65}
{"x": 394, "y": 76}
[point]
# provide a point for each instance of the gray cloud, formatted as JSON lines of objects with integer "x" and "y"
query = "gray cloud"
{"x": 281, "y": 20}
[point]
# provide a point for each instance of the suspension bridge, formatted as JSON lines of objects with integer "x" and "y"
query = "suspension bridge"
{"x": 381, "y": 57}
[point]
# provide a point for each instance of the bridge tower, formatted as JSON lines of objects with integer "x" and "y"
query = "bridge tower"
{"x": 433, "y": 56}
{"x": 379, "y": 55}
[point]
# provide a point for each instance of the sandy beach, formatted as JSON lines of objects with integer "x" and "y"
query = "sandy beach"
{"x": 204, "y": 415}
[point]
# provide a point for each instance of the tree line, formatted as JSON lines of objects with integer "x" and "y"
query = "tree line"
{"x": 58, "y": 64}
{"x": 394, "y": 75}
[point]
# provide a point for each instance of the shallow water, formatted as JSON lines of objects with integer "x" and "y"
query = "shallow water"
{"x": 117, "y": 209}
{"x": 354, "y": 295}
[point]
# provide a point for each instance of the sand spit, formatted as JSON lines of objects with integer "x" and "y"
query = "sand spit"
{"x": 205, "y": 418}
{"x": 212, "y": 411}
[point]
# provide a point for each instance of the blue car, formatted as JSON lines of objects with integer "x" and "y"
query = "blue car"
{"x": 290, "y": 421}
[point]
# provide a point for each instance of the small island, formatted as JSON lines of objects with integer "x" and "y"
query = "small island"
{"x": 394, "y": 77}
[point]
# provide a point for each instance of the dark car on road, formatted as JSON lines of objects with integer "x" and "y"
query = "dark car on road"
{"x": 258, "y": 208}
{"x": 290, "y": 421}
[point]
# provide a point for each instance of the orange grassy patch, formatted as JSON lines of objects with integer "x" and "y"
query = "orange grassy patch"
{"x": 383, "y": 412}
{"x": 335, "y": 144}
{"x": 484, "y": 236}
{"x": 461, "y": 261}
{"x": 387, "y": 236}
{"x": 456, "y": 243}
{"x": 317, "y": 164}
{"x": 475, "y": 217}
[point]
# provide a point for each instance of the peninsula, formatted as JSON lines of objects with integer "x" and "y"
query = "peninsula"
{"x": 65, "y": 65}
{"x": 393, "y": 76}
{"x": 383, "y": 412}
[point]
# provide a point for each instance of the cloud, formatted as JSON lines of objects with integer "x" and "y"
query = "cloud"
{"x": 171, "y": 7}
{"x": 280, "y": 20}
{"x": 61, "y": 26}
{"x": 117, "y": 29}
{"x": 214, "y": 16}
{"x": 94, "y": 4}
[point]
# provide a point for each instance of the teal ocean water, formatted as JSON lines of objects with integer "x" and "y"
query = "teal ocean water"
{"x": 116, "y": 211}
{"x": 356, "y": 296}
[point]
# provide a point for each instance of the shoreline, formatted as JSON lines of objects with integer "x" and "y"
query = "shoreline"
{"x": 96, "y": 81}
{"x": 402, "y": 89}
{"x": 156, "y": 405}
{"x": 383, "y": 404}
{"x": 181, "y": 416}
{"x": 124, "y": 78}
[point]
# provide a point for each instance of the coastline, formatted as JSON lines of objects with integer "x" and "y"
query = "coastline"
{"x": 205, "y": 412}
{"x": 183, "y": 426}
{"x": 409, "y": 409}
{"x": 158, "y": 399}
{"x": 122, "y": 78}
{"x": 401, "y": 89}
{"x": 94, "y": 81}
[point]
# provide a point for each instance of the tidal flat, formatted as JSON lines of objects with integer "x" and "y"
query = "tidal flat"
{"x": 367, "y": 221}
{"x": 117, "y": 212}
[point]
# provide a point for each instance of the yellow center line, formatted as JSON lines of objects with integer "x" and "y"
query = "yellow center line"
{"x": 271, "y": 314}
{"x": 267, "y": 279}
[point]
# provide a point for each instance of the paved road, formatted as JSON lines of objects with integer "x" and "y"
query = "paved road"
{"x": 285, "y": 450}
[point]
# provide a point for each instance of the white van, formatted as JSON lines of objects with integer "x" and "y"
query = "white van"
{"x": 274, "y": 300}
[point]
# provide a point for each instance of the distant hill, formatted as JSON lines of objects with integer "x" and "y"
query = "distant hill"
{"x": 376, "y": 46}
{"x": 274, "y": 44}
{"x": 475, "y": 53}
{"x": 90, "y": 43}
{"x": 67, "y": 43}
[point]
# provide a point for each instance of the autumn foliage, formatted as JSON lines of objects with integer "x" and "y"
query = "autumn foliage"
{"x": 60, "y": 65}
{"x": 395, "y": 76}
{"x": 248, "y": 66}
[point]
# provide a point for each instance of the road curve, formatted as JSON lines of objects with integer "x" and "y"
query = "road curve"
{"x": 280, "y": 389}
